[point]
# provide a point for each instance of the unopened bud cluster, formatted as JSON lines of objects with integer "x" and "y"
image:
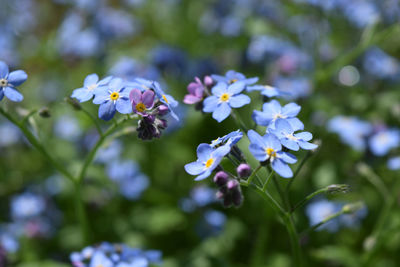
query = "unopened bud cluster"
{"x": 228, "y": 190}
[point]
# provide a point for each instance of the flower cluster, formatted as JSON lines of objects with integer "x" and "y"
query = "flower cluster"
{"x": 142, "y": 97}
{"x": 119, "y": 255}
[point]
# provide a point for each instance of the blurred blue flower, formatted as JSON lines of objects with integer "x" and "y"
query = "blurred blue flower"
{"x": 171, "y": 60}
{"x": 268, "y": 147}
{"x": 293, "y": 87}
{"x": 118, "y": 255}
{"x": 67, "y": 127}
{"x": 126, "y": 174}
{"x": 351, "y": 130}
{"x": 273, "y": 110}
{"x": 208, "y": 159}
{"x": 200, "y": 196}
{"x": 383, "y": 141}
{"x": 8, "y": 239}
{"x": 361, "y": 13}
{"x": 114, "y": 23}
{"x": 292, "y": 140}
{"x": 10, "y": 134}
{"x": 232, "y": 76}
{"x": 9, "y": 81}
{"x": 379, "y": 64}
{"x": 91, "y": 86}
{"x": 113, "y": 98}
{"x": 109, "y": 152}
{"x": 129, "y": 68}
{"x": 317, "y": 211}
{"x": 215, "y": 218}
{"x": 224, "y": 98}
{"x": 394, "y": 163}
{"x": 27, "y": 205}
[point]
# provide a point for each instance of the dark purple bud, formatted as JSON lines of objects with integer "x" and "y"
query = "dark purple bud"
{"x": 243, "y": 170}
{"x": 221, "y": 178}
{"x": 162, "y": 110}
{"x": 227, "y": 202}
{"x": 237, "y": 197}
{"x": 232, "y": 184}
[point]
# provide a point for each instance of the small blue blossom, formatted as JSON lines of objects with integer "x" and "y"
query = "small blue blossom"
{"x": 268, "y": 147}
{"x": 27, "y": 205}
{"x": 91, "y": 85}
{"x": 266, "y": 90}
{"x": 208, "y": 159}
{"x": 352, "y": 131}
{"x": 200, "y": 196}
{"x": 394, "y": 163}
{"x": 272, "y": 111}
{"x": 381, "y": 65}
{"x": 230, "y": 139}
{"x": 9, "y": 81}
{"x": 224, "y": 98}
{"x": 113, "y": 98}
{"x": 232, "y": 76}
{"x": 67, "y": 128}
{"x": 100, "y": 259}
{"x": 292, "y": 140}
{"x": 317, "y": 211}
{"x": 383, "y": 141}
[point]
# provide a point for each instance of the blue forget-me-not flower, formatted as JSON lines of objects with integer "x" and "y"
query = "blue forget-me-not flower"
{"x": 268, "y": 147}
{"x": 232, "y": 76}
{"x": 8, "y": 82}
{"x": 114, "y": 97}
{"x": 383, "y": 141}
{"x": 91, "y": 85}
{"x": 224, "y": 98}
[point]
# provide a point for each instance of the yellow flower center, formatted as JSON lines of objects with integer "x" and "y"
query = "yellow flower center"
{"x": 114, "y": 96}
{"x": 165, "y": 99}
{"x": 271, "y": 152}
{"x": 3, "y": 82}
{"x": 233, "y": 81}
{"x": 140, "y": 107}
{"x": 209, "y": 162}
{"x": 224, "y": 97}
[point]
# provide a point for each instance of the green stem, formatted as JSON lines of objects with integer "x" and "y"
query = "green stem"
{"x": 307, "y": 198}
{"x": 294, "y": 240}
{"x": 35, "y": 143}
{"x": 239, "y": 122}
{"x": 374, "y": 179}
{"x": 303, "y": 161}
{"x": 267, "y": 181}
{"x": 81, "y": 213}
{"x": 253, "y": 174}
{"x": 90, "y": 157}
{"x": 93, "y": 119}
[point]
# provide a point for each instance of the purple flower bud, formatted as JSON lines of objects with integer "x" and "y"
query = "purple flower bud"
{"x": 227, "y": 202}
{"x": 208, "y": 81}
{"x": 237, "y": 197}
{"x": 221, "y": 178}
{"x": 232, "y": 184}
{"x": 243, "y": 170}
{"x": 162, "y": 110}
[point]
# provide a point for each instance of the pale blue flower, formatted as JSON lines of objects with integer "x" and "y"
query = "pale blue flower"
{"x": 91, "y": 85}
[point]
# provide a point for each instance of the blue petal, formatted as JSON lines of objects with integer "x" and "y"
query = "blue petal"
{"x": 291, "y": 144}
{"x": 258, "y": 152}
{"x": 116, "y": 84}
{"x": 90, "y": 79}
{"x": 3, "y": 70}
{"x": 307, "y": 146}
{"x": 254, "y": 88}
{"x": 17, "y": 77}
{"x": 281, "y": 168}
{"x": 281, "y": 125}
{"x": 219, "y": 89}
{"x": 231, "y": 74}
{"x": 219, "y": 78}
{"x": 250, "y": 80}
{"x": 204, "y": 175}
{"x": 1, "y": 93}
{"x": 305, "y": 136}
{"x": 221, "y": 152}
{"x": 273, "y": 107}
{"x": 105, "y": 81}
{"x": 261, "y": 118}
{"x": 287, "y": 157}
{"x": 204, "y": 152}
{"x": 107, "y": 110}
{"x": 255, "y": 138}
{"x": 210, "y": 104}
{"x": 82, "y": 94}
{"x": 271, "y": 141}
{"x": 236, "y": 88}
{"x": 194, "y": 168}
{"x": 291, "y": 109}
{"x": 238, "y": 101}
{"x": 101, "y": 97}
{"x": 221, "y": 112}
{"x": 296, "y": 124}
{"x": 124, "y": 106}
{"x": 13, "y": 94}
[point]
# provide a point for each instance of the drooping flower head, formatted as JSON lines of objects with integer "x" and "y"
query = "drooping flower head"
{"x": 269, "y": 148}
{"x": 91, "y": 85}
{"x": 272, "y": 111}
{"x": 9, "y": 81}
{"x": 208, "y": 159}
{"x": 232, "y": 76}
{"x": 224, "y": 98}
{"x": 285, "y": 133}
{"x": 141, "y": 101}
{"x": 114, "y": 97}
